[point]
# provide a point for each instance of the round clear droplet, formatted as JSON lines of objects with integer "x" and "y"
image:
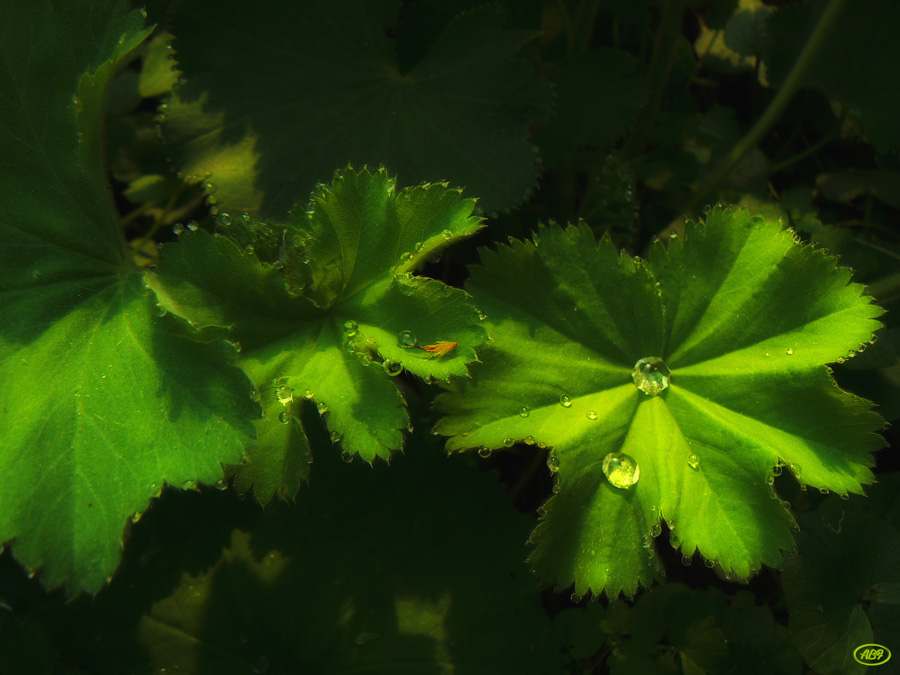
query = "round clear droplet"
{"x": 347, "y": 456}
{"x": 392, "y": 368}
{"x": 508, "y": 442}
{"x": 406, "y": 339}
{"x": 553, "y": 463}
{"x": 694, "y": 462}
{"x": 285, "y": 395}
{"x": 284, "y": 417}
{"x": 484, "y": 452}
{"x": 565, "y": 401}
{"x": 621, "y": 470}
{"x": 790, "y": 350}
{"x": 350, "y": 328}
{"x": 523, "y": 411}
{"x": 651, "y": 375}
{"x": 591, "y": 415}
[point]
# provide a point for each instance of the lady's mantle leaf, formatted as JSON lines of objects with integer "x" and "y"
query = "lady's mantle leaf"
{"x": 745, "y": 320}
{"x": 335, "y": 316}
{"x": 102, "y": 400}
{"x": 276, "y": 96}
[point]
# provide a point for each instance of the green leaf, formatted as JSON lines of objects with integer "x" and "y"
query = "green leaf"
{"x": 331, "y": 584}
{"x": 857, "y": 66}
{"x": 102, "y": 399}
{"x": 838, "y": 587}
{"x": 277, "y": 97}
{"x": 744, "y": 318}
{"x": 335, "y": 337}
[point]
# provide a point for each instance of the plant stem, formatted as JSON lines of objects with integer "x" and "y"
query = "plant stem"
{"x": 776, "y": 107}
{"x": 584, "y": 25}
{"x": 885, "y": 288}
{"x": 663, "y": 56}
{"x": 818, "y": 145}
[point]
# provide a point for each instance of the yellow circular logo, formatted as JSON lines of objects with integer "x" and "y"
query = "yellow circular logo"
{"x": 872, "y": 655}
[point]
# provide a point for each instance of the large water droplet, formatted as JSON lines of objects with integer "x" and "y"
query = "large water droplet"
{"x": 651, "y": 375}
{"x": 406, "y": 339}
{"x": 565, "y": 401}
{"x": 621, "y": 470}
{"x": 350, "y": 328}
{"x": 284, "y": 417}
{"x": 553, "y": 463}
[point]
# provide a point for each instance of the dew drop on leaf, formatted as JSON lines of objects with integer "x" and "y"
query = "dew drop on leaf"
{"x": 347, "y": 456}
{"x": 824, "y": 490}
{"x": 576, "y": 598}
{"x": 553, "y": 463}
{"x": 528, "y": 440}
{"x": 406, "y": 339}
{"x": 621, "y": 470}
{"x": 221, "y": 484}
{"x": 523, "y": 412}
{"x": 565, "y": 401}
{"x": 508, "y": 442}
{"x": 776, "y": 469}
{"x": 446, "y": 234}
{"x": 350, "y": 328}
{"x": 709, "y": 563}
{"x": 651, "y": 375}
{"x": 797, "y": 469}
{"x": 591, "y": 415}
{"x": 321, "y": 407}
{"x": 284, "y": 417}
{"x": 392, "y": 368}
{"x": 656, "y": 530}
{"x": 254, "y": 395}
{"x": 193, "y": 226}
{"x": 225, "y": 219}
{"x": 790, "y": 351}
{"x": 335, "y": 436}
{"x": 686, "y": 560}
{"x": 308, "y": 394}
{"x": 484, "y": 452}
{"x": 694, "y": 462}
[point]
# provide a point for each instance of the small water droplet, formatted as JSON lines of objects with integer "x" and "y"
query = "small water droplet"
{"x": 790, "y": 351}
{"x": 350, "y": 328}
{"x": 686, "y": 560}
{"x": 137, "y": 516}
{"x": 591, "y": 415}
{"x": 321, "y": 407}
{"x": 553, "y": 463}
{"x": 284, "y": 416}
{"x": 844, "y": 495}
{"x": 508, "y": 442}
{"x": 576, "y": 598}
{"x": 694, "y": 462}
{"x": 447, "y": 234}
{"x": 221, "y": 484}
{"x": 621, "y": 470}
{"x": 406, "y": 339}
{"x": 225, "y": 219}
{"x": 335, "y": 436}
{"x": 308, "y": 394}
{"x": 193, "y": 226}
{"x": 770, "y": 480}
{"x": 347, "y": 456}
{"x": 484, "y": 452}
{"x": 673, "y": 235}
{"x": 776, "y": 469}
{"x": 709, "y": 563}
{"x": 651, "y": 375}
{"x": 647, "y": 541}
{"x": 236, "y": 346}
{"x": 565, "y": 401}
{"x": 528, "y": 440}
{"x": 177, "y": 228}
{"x": 392, "y": 368}
{"x": 160, "y": 310}
{"x": 523, "y": 411}
{"x": 797, "y": 470}
{"x": 824, "y": 490}
{"x": 481, "y": 315}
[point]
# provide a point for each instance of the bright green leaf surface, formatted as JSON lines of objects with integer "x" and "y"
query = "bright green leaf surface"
{"x": 102, "y": 400}
{"x": 743, "y": 317}
{"x": 338, "y": 341}
{"x": 331, "y": 584}
{"x": 278, "y": 95}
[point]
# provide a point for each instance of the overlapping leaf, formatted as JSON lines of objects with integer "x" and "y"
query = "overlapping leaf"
{"x": 335, "y": 316}
{"x": 102, "y": 399}
{"x": 327, "y": 585}
{"x": 277, "y": 95}
{"x": 743, "y": 317}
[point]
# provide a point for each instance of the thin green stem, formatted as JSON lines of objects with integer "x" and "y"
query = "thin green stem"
{"x": 815, "y": 147}
{"x": 776, "y": 107}
{"x": 567, "y": 23}
{"x": 885, "y": 288}
{"x": 584, "y": 25}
